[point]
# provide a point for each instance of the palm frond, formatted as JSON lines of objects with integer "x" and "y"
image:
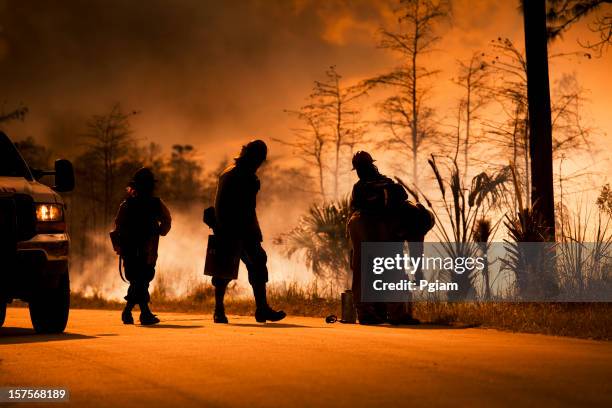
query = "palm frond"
{"x": 320, "y": 238}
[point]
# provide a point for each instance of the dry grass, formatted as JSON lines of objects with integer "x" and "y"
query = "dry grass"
{"x": 295, "y": 299}
{"x": 583, "y": 320}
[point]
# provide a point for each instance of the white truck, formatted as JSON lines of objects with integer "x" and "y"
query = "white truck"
{"x": 34, "y": 242}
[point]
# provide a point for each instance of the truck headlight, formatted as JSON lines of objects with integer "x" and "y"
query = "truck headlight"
{"x": 49, "y": 213}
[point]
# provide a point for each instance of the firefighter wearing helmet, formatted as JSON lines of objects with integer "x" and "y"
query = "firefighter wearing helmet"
{"x": 381, "y": 212}
{"x": 234, "y": 220}
{"x": 141, "y": 219}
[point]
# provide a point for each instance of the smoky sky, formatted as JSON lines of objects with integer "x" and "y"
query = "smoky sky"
{"x": 217, "y": 73}
{"x": 198, "y": 71}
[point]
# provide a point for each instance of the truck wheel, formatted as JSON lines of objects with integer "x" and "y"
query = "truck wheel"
{"x": 2, "y": 312}
{"x": 49, "y": 309}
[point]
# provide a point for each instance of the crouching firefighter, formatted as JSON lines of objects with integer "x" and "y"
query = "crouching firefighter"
{"x": 381, "y": 212}
{"x": 141, "y": 219}
{"x": 237, "y": 235}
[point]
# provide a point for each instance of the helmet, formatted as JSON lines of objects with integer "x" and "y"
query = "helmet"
{"x": 362, "y": 159}
{"x": 143, "y": 175}
{"x": 143, "y": 179}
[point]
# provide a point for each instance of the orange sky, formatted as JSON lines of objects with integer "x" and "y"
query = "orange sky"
{"x": 215, "y": 74}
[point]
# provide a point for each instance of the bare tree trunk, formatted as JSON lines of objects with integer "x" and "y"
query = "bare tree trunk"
{"x": 415, "y": 177}
{"x": 415, "y": 116}
{"x": 540, "y": 125}
{"x": 515, "y": 131}
{"x": 336, "y": 169}
{"x": 458, "y": 142}
{"x": 339, "y": 135}
{"x": 107, "y": 190}
{"x": 468, "y": 114}
{"x": 321, "y": 186}
{"x": 527, "y": 161}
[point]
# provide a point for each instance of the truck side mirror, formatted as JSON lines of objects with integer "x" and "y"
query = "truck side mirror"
{"x": 64, "y": 176}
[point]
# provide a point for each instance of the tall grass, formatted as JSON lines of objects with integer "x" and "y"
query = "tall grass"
{"x": 584, "y": 320}
{"x": 297, "y": 299}
{"x": 465, "y": 209}
{"x": 585, "y": 254}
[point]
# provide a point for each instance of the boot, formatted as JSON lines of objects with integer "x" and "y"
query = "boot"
{"x": 263, "y": 311}
{"x": 369, "y": 321}
{"x": 126, "y": 315}
{"x": 219, "y": 316}
{"x": 401, "y": 314}
{"x": 147, "y": 318}
{"x": 370, "y": 314}
{"x": 269, "y": 314}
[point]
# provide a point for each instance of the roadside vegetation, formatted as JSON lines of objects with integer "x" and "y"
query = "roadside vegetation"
{"x": 582, "y": 320}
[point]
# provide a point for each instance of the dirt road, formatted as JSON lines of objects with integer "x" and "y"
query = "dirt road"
{"x": 189, "y": 362}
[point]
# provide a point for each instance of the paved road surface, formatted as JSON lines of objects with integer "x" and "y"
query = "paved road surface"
{"x": 189, "y": 362}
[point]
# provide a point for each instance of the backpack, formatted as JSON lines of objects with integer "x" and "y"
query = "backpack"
{"x": 415, "y": 220}
{"x": 140, "y": 224}
{"x": 379, "y": 195}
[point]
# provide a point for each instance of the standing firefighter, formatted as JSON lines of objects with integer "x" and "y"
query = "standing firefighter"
{"x": 234, "y": 221}
{"x": 141, "y": 219}
{"x": 381, "y": 212}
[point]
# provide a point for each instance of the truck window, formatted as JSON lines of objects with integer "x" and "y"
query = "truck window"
{"x": 11, "y": 162}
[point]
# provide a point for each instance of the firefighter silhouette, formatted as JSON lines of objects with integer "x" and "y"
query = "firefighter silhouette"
{"x": 234, "y": 222}
{"x": 381, "y": 212}
{"x": 141, "y": 219}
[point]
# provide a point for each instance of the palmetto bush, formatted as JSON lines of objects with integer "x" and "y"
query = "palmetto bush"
{"x": 482, "y": 235}
{"x": 465, "y": 210}
{"x": 321, "y": 240}
{"x": 577, "y": 266}
{"x": 529, "y": 259}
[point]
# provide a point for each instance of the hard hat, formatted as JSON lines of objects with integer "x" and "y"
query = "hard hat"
{"x": 361, "y": 159}
{"x": 143, "y": 174}
{"x": 143, "y": 179}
